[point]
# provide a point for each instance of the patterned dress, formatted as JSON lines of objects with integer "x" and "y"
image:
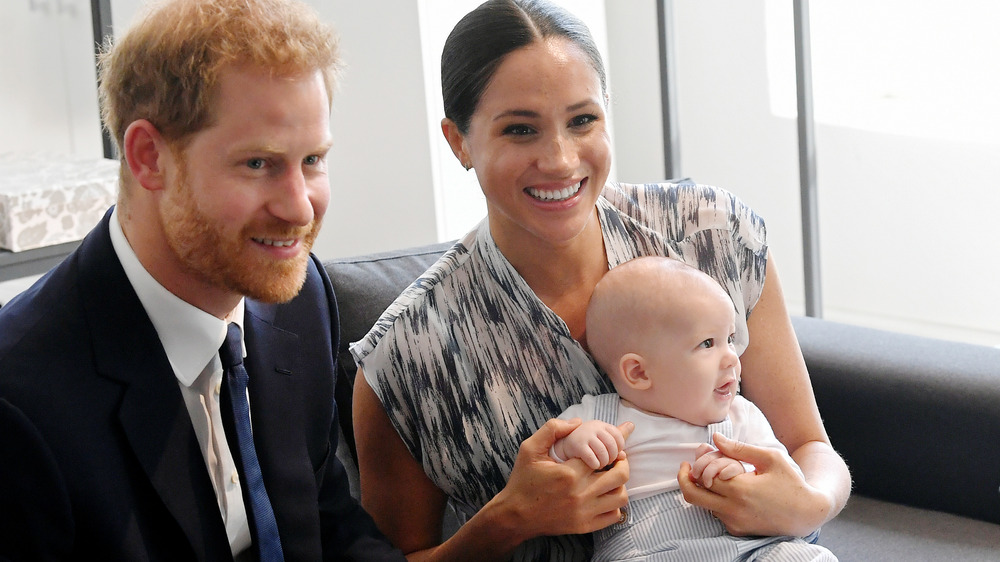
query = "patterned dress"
{"x": 468, "y": 362}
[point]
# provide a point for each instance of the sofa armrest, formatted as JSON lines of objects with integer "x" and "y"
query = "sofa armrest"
{"x": 916, "y": 419}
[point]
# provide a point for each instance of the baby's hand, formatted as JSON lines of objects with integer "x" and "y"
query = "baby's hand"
{"x": 712, "y": 464}
{"x": 596, "y": 443}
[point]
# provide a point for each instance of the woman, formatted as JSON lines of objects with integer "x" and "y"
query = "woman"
{"x": 460, "y": 377}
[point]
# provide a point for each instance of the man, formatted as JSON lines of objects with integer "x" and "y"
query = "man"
{"x": 124, "y": 433}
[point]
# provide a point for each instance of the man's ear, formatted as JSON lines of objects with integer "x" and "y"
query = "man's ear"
{"x": 145, "y": 148}
{"x": 633, "y": 371}
{"x": 456, "y": 140}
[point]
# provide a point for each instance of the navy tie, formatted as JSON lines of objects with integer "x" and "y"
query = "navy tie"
{"x": 262, "y": 516}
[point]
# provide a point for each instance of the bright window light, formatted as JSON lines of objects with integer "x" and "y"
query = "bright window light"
{"x": 921, "y": 68}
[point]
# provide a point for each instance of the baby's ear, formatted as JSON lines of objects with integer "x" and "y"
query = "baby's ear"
{"x": 633, "y": 371}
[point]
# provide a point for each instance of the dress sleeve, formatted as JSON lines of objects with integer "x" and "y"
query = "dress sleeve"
{"x": 726, "y": 238}
{"x": 703, "y": 226}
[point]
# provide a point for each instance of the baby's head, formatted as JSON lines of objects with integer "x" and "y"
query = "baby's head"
{"x": 663, "y": 332}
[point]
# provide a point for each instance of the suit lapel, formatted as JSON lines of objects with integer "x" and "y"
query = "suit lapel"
{"x": 272, "y": 363}
{"x": 152, "y": 413}
{"x": 270, "y": 350}
{"x": 279, "y": 430}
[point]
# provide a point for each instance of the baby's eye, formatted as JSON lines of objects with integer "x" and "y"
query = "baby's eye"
{"x": 707, "y": 344}
{"x": 256, "y": 163}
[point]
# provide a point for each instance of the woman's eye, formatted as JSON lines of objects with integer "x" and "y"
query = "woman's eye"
{"x": 518, "y": 130}
{"x": 582, "y": 120}
{"x": 707, "y": 344}
{"x": 256, "y": 163}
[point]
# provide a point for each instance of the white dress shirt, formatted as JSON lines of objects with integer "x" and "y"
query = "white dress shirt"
{"x": 191, "y": 339}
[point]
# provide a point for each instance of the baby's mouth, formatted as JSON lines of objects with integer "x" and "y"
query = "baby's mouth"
{"x": 728, "y": 389}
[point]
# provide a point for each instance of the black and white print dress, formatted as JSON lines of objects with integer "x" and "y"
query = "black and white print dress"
{"x": 468, "y": 362}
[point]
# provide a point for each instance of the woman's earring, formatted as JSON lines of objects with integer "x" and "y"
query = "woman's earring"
{"x": 466, "y": 166}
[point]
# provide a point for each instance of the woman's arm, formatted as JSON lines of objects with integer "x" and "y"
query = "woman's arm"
{"x": 776, "y": 380}
{"x": 392, "y": 482}
{"x": 542, "y": 497}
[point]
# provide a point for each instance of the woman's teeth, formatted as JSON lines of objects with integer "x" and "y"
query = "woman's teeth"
{"x": 556, "y": 195}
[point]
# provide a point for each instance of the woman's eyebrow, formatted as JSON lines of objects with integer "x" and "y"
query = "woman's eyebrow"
{"x": 516, "y": 113}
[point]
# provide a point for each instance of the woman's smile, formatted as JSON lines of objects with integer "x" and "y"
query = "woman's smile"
{"x": 554, "y": 195}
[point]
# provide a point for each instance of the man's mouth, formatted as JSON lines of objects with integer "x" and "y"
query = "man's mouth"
{"x": 284, "y": 243}
{"x": 555, "y": 195}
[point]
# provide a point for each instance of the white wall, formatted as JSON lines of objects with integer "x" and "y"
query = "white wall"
{"x": 380, "y": 167}
{"x": 48, "y": 101}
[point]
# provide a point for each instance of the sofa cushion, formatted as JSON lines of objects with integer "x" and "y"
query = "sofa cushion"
{"x": 365, "y": 286}
{"x": 869, "y": 529}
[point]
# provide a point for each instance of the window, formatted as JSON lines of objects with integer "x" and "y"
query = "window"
{"x": 906, "y": 137}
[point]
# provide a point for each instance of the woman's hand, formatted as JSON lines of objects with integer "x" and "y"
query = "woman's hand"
{"x": 710, "y": 464}
{"x": 773, "y": 500}
{"x": 544, "y": 497}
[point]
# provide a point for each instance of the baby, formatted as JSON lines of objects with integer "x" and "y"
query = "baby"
{"x": 664, "y": 333}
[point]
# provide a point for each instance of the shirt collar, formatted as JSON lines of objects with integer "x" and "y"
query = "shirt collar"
{"x": 190, "y": 336}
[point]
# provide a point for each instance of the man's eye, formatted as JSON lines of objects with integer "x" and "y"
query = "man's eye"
{"x": 255, "y": 163}
{"x": 709, "y": 343}
{"x": 311, "y": 160}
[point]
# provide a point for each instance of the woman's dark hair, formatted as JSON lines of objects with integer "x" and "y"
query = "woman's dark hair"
{"x": 480, "y": 41}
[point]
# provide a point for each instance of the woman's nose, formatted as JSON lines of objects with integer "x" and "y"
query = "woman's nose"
{"x": 559, "y": 156}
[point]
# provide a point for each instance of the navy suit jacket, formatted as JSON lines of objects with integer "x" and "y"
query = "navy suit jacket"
{"x": 98, "y": 457}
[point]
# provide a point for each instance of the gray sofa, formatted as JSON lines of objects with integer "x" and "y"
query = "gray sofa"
{"x": 918, "y": 421}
